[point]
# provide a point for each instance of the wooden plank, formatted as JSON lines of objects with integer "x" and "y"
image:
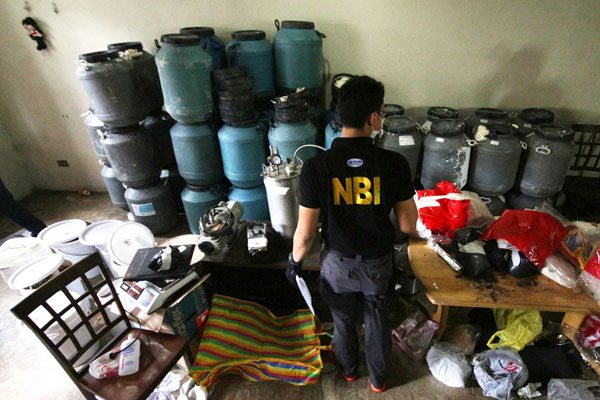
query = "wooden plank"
{"x": 443, "y": 286}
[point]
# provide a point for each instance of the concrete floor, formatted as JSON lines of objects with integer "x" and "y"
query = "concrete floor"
{"x": 29, "y": 372}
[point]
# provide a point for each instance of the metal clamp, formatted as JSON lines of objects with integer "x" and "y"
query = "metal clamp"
{"x": 543, "y": 149}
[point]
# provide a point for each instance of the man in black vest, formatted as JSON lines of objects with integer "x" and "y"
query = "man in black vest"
{"x": 353, "y": 187}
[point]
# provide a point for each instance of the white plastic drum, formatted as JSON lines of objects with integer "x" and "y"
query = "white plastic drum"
{"x": 63, "y": 237}
{"x": 16, "y": 252}
{"x": 98, "y": 235}
{"x": 125, "y": 241}
{"x": 32, "y": 275}
{"x": 59, "y": 302}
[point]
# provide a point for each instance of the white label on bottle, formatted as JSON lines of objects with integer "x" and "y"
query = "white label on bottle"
{"x": 439, "y": 139}
{"x": 483, "y": 121}
{"x": 426, "y": 125}
{"x": 495, "y": 142}
{"x": 143, "y": 210}
{"x": 280, "y": 190}
{"x": 406, "y": 140}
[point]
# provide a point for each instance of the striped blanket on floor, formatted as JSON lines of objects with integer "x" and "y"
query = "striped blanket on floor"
{"x": 245, "y": 338}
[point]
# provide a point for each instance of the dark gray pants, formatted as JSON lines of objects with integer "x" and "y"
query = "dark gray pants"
{"x": 349, "y": 286}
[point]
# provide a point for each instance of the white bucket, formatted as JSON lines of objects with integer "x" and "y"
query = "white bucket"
{"x": 71, "y": 318}
{"x": 98, "y": 234}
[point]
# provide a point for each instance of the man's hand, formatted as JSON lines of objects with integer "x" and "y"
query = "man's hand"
{"x": 293, "y": 269}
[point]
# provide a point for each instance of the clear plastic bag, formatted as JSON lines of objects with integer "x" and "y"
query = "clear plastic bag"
{"x": 499, "y": 371}
{"x": 569, "y": 389}
{"x": 479, "y": 215}
{"x": 560, "y": 270}
{"x": 448, "y": 365}
{"x": 414, "y": 335}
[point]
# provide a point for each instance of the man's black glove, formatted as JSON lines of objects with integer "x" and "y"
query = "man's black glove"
{"x": 293, "y": 269}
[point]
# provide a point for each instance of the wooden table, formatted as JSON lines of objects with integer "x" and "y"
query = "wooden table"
{"x": 445, "y": 289}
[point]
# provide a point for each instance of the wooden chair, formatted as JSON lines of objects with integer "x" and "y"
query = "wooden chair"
{"x": 102, "y": 320}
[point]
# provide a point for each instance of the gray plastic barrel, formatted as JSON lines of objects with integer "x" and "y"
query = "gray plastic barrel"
{"x": 184, "y": 71}
{"x": 158, "y": 126}
{"x": 437, "y": 113}
{"x": 401, "y": 135}
{"x": 484, "y": 116}
{"x": 197, "y": 153}
{"x": 96, "y": 130}
{"x": 116, "y": 94}
{"x": 520, "y": 201}
{"x": 496, "y": 204}
{"x": 495, "y": 162}
{"x": 530, "y": 118}
{"x": 145, "y": 70}
{"x": 550, "y": 151}
{"x": 198, "y": 199}
{"x": 446, "y": 155}
{"x": 153, "y": 206}
{"x": 132, "y": 155}
{"x": 115, "y": 189}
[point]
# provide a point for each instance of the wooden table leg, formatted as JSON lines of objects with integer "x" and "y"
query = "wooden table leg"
{"x": 441, "y": 317}
{"x": 570, "y": 326}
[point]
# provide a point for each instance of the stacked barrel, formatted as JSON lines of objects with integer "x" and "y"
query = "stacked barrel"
{"x": 184, "y": 68}
{"x": 242, "y": 140}
{"x": 130, "y": 130}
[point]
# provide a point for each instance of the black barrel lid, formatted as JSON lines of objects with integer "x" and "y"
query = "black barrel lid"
{"x": 200, "y": 31}
{"x": 298, "y": 24}
{"x": 442, "y": 112}
{"x": 501, "y": 130}
{"x": 400, "y": 125}
{"x": 179, "y": 39}
{"x": 447, "y": 127}
{"x": 392, "y": 109}
{"x": 555, "y": 132}
{"x": 491, "y": 113}
{"x": 125, "y": 46}
{"x": 198, "y": 188}
{"x": 99, "y": 56}
{"x": 228, "y": 73}
{"x": 249, "y": 35}
{"x": 537, "y": 116}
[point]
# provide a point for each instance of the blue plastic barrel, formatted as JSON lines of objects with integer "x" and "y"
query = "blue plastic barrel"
{"x": 298, "y": 50}
{"x": 254, "y": 201}
{"x": 252, "y": 50}
{"x": 332, "y": 131}
{"x": 210, "y": 43}
{"x": 288, "y": 136}
{"x": 196, "y": 200}
{"x": 197, "y": 153}
{"x": 184, "y": 71}
{"x": 243, "y": 154}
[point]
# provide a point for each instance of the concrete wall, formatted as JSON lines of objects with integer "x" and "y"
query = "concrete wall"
{"x": 461, "y": 53}
{"x": 12, "y": 168}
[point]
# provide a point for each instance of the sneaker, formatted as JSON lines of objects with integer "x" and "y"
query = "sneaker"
{"x": 347, "y": 378}
{"x": 378, "y": 389}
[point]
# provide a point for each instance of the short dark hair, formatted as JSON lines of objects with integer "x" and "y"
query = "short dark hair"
{"x": 357, "y": 99}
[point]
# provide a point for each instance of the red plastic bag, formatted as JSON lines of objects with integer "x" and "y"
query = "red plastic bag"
{"x": 441, "y": 211}
{"x": 592, "y": 266}
{"x": 535, "y": 234}
{"x": 589, "y": 331}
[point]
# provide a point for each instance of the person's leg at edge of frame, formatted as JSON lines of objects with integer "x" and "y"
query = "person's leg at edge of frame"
{"x": 13, "y": 210}
{"x": 378, "y": 340}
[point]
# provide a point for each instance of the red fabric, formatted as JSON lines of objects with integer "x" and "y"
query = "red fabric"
{"x": 535, "y": 234}
{"x": 449, "y": 216}
{"x": 592, "y": 266}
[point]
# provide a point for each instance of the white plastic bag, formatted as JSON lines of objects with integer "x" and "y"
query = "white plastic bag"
{"x": 499, "y": 371}
{"x": 448, "y": 365}
{"x": 569, "y": 389}
{"x": 560, "y": 270}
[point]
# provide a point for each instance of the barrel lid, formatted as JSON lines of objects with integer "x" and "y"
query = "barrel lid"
{"x": 399, "y": 125}
{"x": 392, "y": 109}
{"x": 200, "y": 31}
{"x": 62, "y": 231}
{"x": 99, "y": 56}
{"x": 555, "y": 132}
{"x": 121, "y": 129}
{"x": 16, "y": 252}
{"x": 537, "y": 116}
{"x": 491, "y": 113}
{"x": 198, "y": 188}
{"x": 35, "y": 271}
{"x": 447, "y": 127}
{"x": 249, "y": 35}
{"x": 127, "y": 239}
{"x": 298, "y": 24}
{"x": 230, "y": 72}
{"x": 442, "y": 112}
{"x": 98, "y": 233}
{"x": 125, "y": 46}
{"x": 179, "y": 39}
{"x": 501, "y": 131}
